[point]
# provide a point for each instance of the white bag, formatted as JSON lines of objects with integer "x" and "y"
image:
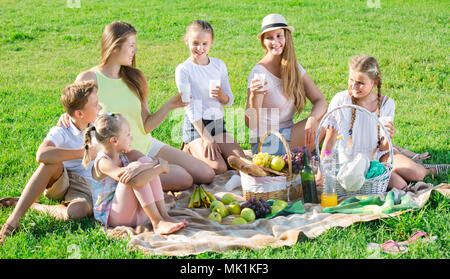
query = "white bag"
{"x": 352, "y": 175}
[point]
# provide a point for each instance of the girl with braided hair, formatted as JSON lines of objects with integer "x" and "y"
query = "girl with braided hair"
{"x": 362, "y": 134}
{"x": 124, "y": 193}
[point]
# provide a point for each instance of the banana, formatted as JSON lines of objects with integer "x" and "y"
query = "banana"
{"x": 197, "y": 199}
{"x": 205, "y": 200}
{"x": 191, "y": 201}
{"x": 209, "y": 195}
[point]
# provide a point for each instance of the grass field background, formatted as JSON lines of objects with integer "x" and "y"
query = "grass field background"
{"x": 45, "y": 44}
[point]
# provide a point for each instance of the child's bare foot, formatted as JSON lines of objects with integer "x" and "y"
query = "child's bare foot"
{"x": 8, "y": 202}
{"x": 168, "y": 218}
{"x": 165, "y": 227}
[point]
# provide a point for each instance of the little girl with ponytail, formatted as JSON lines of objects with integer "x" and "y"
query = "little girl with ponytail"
{"x": 124, "y": 193}
{"x": 362, "y": 134}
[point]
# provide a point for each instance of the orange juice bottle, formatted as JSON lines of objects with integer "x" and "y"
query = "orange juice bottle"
{"x": 329, "y": 196}
{"x": 328, "y": 199}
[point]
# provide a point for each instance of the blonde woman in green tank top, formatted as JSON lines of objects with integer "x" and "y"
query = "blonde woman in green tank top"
{"x": 122, "y": 88}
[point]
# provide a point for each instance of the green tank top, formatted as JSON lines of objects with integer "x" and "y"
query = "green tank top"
{"x": 115, "y": 96}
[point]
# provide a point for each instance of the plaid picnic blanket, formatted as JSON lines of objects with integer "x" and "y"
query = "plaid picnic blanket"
{"x": 202, "y": 235}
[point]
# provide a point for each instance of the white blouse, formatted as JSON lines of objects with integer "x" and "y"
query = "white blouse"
{"x": 198, "y": 76}
{"x": 364, "y": 132}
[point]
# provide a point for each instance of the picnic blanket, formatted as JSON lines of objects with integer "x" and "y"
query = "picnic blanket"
{"x": 202, "y": 235}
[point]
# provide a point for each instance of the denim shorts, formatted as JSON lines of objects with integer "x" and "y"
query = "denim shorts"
{"x": 214, "y": 127}
{"x": 272, "y": 144}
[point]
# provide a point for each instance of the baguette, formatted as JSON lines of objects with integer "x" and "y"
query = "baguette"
{"x": 248, "y": 168}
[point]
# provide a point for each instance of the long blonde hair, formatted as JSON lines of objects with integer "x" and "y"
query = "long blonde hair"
{"x": 105, "y": 127}
{"x": 291, "y": 77}
{"x": 113, "y": 37}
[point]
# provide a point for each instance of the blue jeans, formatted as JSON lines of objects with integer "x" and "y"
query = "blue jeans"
{"x": 272, "y": 144}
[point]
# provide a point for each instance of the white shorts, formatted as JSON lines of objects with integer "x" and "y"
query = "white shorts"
{"x": 155, "y": 147}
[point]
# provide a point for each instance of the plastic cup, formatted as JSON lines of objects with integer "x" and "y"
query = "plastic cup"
{"x": 185, "y": 89}
{"x": 262, "y": 79}
{"x": 386, "y": 119}
{"x": 213, "y": 84}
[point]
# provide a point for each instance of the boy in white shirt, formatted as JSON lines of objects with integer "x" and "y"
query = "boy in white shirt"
{"x": 60, "y": 175}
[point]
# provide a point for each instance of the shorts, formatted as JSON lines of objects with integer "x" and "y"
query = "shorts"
{"x": 155, "y": 147}
{"x": 214, "y": 127}
{"x": 69, "y": 187}
{"x": 272, "y": 144}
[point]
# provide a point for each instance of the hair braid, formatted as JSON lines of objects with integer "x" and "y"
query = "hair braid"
{"x": 350, "y": 131}
{"x": 87, "y": 140}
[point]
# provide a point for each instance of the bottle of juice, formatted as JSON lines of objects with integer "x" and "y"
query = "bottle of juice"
{"x": 329, "y": 195}
{"x": 308, "y": 182}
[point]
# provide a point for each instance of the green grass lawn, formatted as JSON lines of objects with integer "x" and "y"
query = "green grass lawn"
{"x": 45, "y": 44}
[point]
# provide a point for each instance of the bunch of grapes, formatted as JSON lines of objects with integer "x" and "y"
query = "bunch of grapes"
{"x": 297, "y": 158}
{"x": 262, "y": 159}
{"x": 259, "y": 206}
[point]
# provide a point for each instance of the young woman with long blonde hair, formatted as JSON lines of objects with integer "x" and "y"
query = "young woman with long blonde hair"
{"x": 272, "y": 105}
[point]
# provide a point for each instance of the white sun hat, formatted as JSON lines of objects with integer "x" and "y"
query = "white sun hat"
{"x": 272, "y": 22}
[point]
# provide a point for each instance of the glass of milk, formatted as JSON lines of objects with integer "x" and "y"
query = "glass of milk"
{"x": 185, "y": 89}
{"x": 262, "y": 79}
{"x": 213, "y": 84}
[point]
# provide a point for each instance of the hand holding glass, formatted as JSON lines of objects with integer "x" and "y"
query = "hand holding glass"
{"x": 213, "y": 84}
{"x": 185, "y": 89}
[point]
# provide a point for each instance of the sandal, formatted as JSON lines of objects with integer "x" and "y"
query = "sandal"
{"x": 440, "y": 168}
{"x": 412, "y": 155}
{"x": 418, "y": 236}
{"x": 6, "y": 231}
{"x": 393, "y": 247}
{"x": 389, "y": 247}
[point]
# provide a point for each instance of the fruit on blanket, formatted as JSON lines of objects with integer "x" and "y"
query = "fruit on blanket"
{"x": 259, "y": 206}
{"x": 234, "y": 208}
{"x": 277, "y": 163}
{"x": 195, "y": 200}
{"x": 228, "y": 198}
{"x": 204, "y": 199}
{"x": 280, "y": 203}
{"x": 200, "y": 198}
{"x": 222, "y": 210}
{"x": 214, "y": 204}
{"x": 248, "y": 214}
{"x": 214, "y": 216}
{"x": 238, "y": 221}
{"x": 208, "y": 194}
{"x": 275, "y": 209}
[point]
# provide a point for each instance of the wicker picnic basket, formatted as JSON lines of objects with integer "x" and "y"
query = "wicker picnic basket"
{"x": 375, "y": 185}
{"x": 273, "y": 187}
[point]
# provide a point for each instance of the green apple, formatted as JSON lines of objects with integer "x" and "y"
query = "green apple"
{"x": 238, "y": 221}
{"x": 222, "y": 210}
{"x": 248, "y": 214}
{"x": 214, "y": 216}
{"x": 277, "y": 163}
{"x": 280, "y": 203}
{"x": 228, "y": 198}
{"x": 275, "y": 209}
{"x": 214, "y": 204}
{"x": 234, "y": 208}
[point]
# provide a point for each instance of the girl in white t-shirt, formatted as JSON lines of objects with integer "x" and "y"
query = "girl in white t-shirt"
{"x": 360, "y": 133}
{"x": 271, "y": 106}
{"x": 204, "y": 127}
